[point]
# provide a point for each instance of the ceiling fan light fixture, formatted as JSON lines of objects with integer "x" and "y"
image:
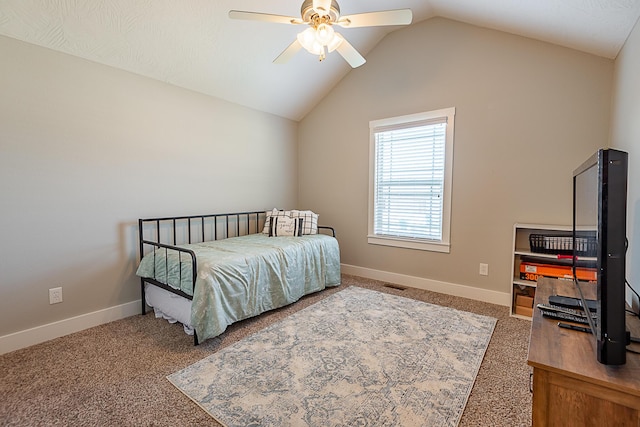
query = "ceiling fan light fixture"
{"x": 324, "y": 34}
{"x": 308, "y": 40}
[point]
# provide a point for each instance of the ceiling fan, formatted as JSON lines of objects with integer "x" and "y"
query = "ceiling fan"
{"x": 320, "y": 38}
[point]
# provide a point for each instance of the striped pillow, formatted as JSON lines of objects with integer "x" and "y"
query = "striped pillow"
{"x": 273, "y": 213}
{"x": 285, "y": 226}
{"x": 310, "y": 221}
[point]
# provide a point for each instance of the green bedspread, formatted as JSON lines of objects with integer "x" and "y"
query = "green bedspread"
{"x": 241, "y": 277}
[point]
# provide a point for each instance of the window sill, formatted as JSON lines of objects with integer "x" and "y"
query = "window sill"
{"x": 421, "y": 245}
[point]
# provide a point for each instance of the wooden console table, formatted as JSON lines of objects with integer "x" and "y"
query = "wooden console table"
{"x": 570, "y": 387}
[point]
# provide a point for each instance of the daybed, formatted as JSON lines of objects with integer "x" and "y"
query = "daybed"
{"x": 209, "y": 271}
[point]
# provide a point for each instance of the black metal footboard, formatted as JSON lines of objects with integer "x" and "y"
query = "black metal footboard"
{"x": 165, "y": 255}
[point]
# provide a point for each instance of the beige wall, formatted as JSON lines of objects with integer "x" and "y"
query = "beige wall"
{"x": 527, "y": 113}
{"x": 625, "y": 134}
{"x": 86, "y": 149}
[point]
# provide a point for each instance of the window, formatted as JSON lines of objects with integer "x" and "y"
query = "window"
{"x": 410, "y": 173}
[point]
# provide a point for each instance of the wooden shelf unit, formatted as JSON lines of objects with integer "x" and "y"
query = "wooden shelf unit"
{"x": 521, "y": 247}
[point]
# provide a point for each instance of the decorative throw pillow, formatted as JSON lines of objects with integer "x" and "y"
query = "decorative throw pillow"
{"x": 310, "y": 221}
{"x": 285, "y": 226}
{"x": 273, "y": 213}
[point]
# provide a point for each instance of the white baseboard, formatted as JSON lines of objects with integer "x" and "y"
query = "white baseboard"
{"x": 478, "y": 294}
{"x": 60, "y": 328}
{"x": 53, "y": 330}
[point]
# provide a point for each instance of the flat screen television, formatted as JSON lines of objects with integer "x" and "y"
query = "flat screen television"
{"x": 599, "y": 236}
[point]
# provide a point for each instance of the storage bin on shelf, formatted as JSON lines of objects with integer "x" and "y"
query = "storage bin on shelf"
{"x": 523, "y": 304}
{"x": 562, "y": 244}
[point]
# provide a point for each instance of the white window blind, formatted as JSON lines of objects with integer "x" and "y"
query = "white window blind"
{"x": 409, "y": 180}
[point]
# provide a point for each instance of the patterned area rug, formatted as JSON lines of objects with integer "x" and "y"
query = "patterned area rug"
{"x": 356, "y": 358}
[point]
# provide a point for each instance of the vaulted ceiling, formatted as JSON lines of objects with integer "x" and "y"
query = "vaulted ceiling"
{"x": 193, "y": 43}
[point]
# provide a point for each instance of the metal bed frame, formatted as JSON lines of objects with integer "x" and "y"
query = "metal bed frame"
{"x": 181, "y": 230}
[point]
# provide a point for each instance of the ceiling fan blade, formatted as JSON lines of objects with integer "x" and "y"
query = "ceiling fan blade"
{"x": 288, "y": 53}
{"x": 375, "y": 19}
{"x": 264, "y": 17}
{"x": 350, "y": 54}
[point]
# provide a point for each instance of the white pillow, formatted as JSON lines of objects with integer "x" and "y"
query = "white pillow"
{"x": 273, "y": 213}
{"x": 285, "y": 226}
{"x": 310, "y": 221}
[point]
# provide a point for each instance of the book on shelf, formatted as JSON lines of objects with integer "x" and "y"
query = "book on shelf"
{"x": 531, "y": 269}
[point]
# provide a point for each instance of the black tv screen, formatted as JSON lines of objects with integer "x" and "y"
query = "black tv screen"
{"x": 599, "y": 236}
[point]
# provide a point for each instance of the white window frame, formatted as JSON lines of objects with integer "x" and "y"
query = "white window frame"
{"x": 442, "y": 245}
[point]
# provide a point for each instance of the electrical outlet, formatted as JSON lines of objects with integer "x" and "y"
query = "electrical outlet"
{"x": 55, "y": 295}
{"x": 484, "y": 269}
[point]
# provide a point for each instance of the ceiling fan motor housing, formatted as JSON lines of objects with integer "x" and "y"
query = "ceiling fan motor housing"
{"x": 308, "y": 12}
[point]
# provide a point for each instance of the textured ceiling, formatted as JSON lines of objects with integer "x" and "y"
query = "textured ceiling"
{"x": 194, "y": 45}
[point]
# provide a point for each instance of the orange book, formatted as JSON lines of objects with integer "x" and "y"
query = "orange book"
{"x": 531, "y": 271}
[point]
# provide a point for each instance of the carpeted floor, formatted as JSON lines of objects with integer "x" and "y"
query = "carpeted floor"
{"x": 114, "y": 374}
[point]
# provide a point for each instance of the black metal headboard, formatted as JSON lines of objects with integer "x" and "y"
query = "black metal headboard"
{"x": 198, "y": 228}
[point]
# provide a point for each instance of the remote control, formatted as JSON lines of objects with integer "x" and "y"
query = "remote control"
{"x": 563, "y": 313}
{"x": 569, "y": 302}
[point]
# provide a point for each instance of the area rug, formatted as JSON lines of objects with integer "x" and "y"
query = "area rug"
{"x": 357, "y": 358}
